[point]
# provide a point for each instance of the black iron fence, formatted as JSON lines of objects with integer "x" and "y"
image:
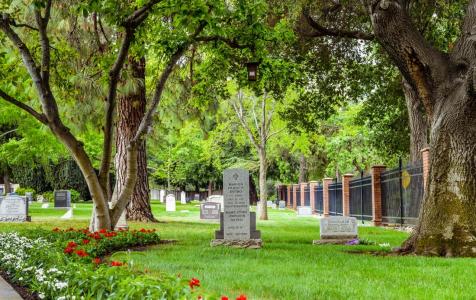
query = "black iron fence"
{"x": 319, "y": 198}
{"x": 335, "y": 199}
{"x": 307, "y": 195}
{"x": 360, "y": 198}
{"x": 402, "y": 193}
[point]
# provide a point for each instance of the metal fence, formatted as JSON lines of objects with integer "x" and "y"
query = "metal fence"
{"x": 402, "y": 193}
{"x": 298, "y": 196}
{"x": 307, "y": 195}
{"x": 335, "y": 199}
{"x": 318, "y": 199}
{"x": 360, "y": 198}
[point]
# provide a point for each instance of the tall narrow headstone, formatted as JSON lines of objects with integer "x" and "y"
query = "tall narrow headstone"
{"x": 237, "y": 226}
{"x": 236, "y": 192}
{"x": 170, "y": 203}
{"x": 162, "y": 196}
{"x": 154, "y": 194}
{"x": 183, "y": 199}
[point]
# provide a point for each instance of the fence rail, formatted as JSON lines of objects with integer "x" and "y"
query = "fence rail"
{"x": 398, "y": 191}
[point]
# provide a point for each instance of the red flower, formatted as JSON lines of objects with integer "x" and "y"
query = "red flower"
{"x": 194, "y": 282}
{"x": 86, "y": 241}
{"x": 85, "y": 231}
{"x": 116, "y": 264}
{"x": 143, "y": 230}
{"x": 70, "y": 229}
{"x": 102, "y": 231}
{"x": 241, "y": 297}
{"x": 56, "y": 229}
{"x": 224, "y": 298}
{"x": 95, "y": 236}
{"x": 96, "y": 261}
{"x": 72, "y": 244}
{"x": 199, "y": 298}
{"x": 68, "y": 250}
{"x": 81, "y": 253}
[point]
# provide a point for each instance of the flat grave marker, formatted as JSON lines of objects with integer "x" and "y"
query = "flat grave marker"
{"x": 304, "y": 211}
{"x": 337, "y": 230}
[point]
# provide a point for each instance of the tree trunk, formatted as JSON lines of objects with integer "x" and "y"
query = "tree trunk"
{"x": 446, "y": 87}
{"x": 6, "y": 183}
{"x": 263, "y": 189}
{"x": 417, "y": 122}
{"x": 130, "y": 111}
{"x": 447, "y": 225}
{"x": 302, "y": 168}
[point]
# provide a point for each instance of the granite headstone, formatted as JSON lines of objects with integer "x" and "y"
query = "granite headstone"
{"x": 337, "y": 230}
{"x": 210, "y": 211}
{"x": 14, "y": 209}
{"x": 62, "y": 199}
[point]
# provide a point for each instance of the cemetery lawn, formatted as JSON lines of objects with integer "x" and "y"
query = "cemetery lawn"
{"x": 288, "y": 266}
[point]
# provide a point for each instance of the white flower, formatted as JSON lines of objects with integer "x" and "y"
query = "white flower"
{"x": 41, "y": 296}
{"x": 385, "y": 245}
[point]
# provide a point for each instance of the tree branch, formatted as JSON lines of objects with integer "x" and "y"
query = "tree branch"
{"x": 464, "y": 49}
{"x": 238, "y": 108}
{"x": 423, "y": 66}
{"x": 320, "y": 31}
{"x": 130, "y": 25}
{"x": 215, "y": 38}
{"x": 39, "y": 116}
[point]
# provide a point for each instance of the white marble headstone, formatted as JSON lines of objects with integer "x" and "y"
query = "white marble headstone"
{"x": 154, "y": 194}
{"x": 183, "y": 199}
{"x": 170, "y": 203}
{"x": 162, "y": 196}
{"x": 338, "y": 227}
{"x": 13, "y": 209}
{"x": 236, "y": 217}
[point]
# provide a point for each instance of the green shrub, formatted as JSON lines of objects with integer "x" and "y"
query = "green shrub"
{"x": 76, "y": 196}
{"x": 21, "y": 191}
{"x": 49, "y": 196}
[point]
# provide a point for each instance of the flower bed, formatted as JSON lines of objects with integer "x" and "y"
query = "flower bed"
{"x": 72, "y": 264}
{"x": 45, "y": 264}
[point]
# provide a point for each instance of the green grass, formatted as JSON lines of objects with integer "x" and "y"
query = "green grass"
{"x": 288, "y": 266}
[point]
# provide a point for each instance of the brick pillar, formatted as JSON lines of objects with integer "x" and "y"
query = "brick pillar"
{"x": 303, "y": 195}
{"x": 425, "y": 155}
{"x": 312, "y": 195}
{"x": 295, "y": 200}
{"x": 377, "y": 195}
{"x": 346, "y": 194}
{"x": 325, "y": 195}
{"x": 288, "y": 190}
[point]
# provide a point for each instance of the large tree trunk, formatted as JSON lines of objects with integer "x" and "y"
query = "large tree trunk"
{"x": 6, "y": 183}
{"x": 446, "y": 87}
{"x": 130, "y": 110}
{"x": 417, "y": 121}
{"x": 263, "y": 189}
{"x": 447, "y": 224}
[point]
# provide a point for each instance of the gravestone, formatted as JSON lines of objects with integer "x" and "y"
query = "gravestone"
{"x": 183, "y": 199}
{"x": 304, "y": 211}
{"x": 337, "y": 230}
{"x": 269, "y": 204}
{"x": 237, "y": 224}
{"x": 282, "y": 205}
{"x": 216, "y": 199}
{"x": 14, "y": 209}
{"x": 170, "y": 203}
{"x": 162, "y": 196}
{"x": 40, "y": 199}
{"x": 45, "y": 205}
{"x": 62, "y": 199}
{"x": 197, "y": 197}
{"x": 154, "y": 194}
{"x": 210, "y": 211}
